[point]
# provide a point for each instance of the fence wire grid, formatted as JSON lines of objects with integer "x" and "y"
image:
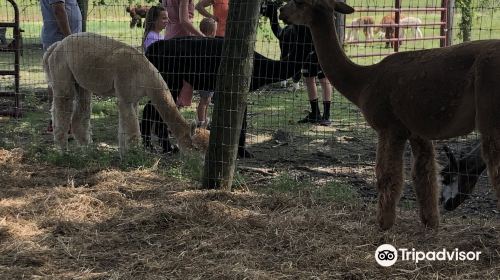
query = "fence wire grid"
{"x": 286, "y": 138}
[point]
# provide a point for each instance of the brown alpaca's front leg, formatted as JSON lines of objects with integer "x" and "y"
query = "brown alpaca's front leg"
{"x": 490, "y": 146}
{"x": 389, "y": 170}
{"x": 424, "y": 178}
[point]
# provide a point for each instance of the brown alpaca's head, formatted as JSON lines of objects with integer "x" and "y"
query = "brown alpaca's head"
{"x": 303, "y": 11}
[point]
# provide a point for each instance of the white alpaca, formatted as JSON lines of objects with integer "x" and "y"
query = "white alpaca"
{"x": 413, "y": 24}
{"x": 87, "y": 63}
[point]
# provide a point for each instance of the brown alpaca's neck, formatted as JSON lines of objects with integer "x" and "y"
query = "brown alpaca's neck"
{"x": 347, "y": 77}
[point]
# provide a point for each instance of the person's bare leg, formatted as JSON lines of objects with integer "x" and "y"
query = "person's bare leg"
{"x": 185, "y": 95}
{"x": 202, "y": 110}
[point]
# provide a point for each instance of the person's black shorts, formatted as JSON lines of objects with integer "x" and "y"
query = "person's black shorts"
{"x": 311, "y": 67}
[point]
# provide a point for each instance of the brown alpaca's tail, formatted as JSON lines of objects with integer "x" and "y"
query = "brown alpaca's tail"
{"x": 45, "y": 62}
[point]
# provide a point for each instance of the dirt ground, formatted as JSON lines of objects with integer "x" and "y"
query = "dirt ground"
{"x": 62, "y": 223}
{"x": 349, "y": 157}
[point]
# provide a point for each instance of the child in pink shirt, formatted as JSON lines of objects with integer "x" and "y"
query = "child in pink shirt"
{"x": 181, "y": 13}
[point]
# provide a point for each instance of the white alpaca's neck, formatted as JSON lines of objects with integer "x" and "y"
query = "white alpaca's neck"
{"x": 162, "y": 99}
{"x": 348, "y": 77}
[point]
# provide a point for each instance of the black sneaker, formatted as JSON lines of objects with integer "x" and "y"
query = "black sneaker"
{"x": 171, "y": 149}
{"x": 244, "y": 153}
{"x": 311, "y": 118}
{"x": 325, "y": 122}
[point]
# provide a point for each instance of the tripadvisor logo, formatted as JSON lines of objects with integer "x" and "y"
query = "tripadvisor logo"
{"x": 387, "y": 255}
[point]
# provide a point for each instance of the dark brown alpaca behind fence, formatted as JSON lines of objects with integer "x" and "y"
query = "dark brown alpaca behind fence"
{"x": 137, "y": 13}
{"x": 414, "y": 96}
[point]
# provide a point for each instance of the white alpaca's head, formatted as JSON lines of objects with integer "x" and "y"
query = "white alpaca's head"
{"x": 303, "y": 11}
{"x": 195, "y": 139}
{"x": 200, "y": 137}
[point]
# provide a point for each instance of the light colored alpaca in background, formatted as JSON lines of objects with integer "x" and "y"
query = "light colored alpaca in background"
{"x": 410, "y": 24}
{"x": 418, "y": 96}
{"x": 364, "y": 24}
{"x": 87, "y": 63}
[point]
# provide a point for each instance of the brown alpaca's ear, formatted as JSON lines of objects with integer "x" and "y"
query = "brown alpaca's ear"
{"x": 341, "y": 7}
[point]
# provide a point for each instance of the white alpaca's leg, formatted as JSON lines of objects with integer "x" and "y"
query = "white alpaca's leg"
{"x": 62, "y": 109}
{"x": 402, "y": 33}
{"x": 419, "y": 33}
{"x": 355, "y": 34}
{"x": 80, "y": 123}
{"x": 370, "y": 33}
{"x": 128, "y": 131}
{"x": 348, "y": 35}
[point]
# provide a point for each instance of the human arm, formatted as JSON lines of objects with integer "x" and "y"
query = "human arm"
{"x": 201, "y": 8}
{"x": 184, "y": 18}
{"x": 61, "y": 18}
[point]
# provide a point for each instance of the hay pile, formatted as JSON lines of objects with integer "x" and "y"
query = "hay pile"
{"x": 60, "y": 223}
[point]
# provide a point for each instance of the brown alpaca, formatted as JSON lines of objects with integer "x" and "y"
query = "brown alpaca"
{"x": 417, "y": 96}
{"x": 389, "y": 31}
{"x": 362, "y": 23}
{"x": 87, "y": 63}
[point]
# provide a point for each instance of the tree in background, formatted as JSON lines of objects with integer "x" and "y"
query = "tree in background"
{"x": 465, "y": 24}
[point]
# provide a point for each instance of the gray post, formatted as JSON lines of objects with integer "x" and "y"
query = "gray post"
{"x": 451, "y": 15}
{"x": 232, "y": 86}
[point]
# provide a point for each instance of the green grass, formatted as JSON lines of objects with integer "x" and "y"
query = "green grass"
{"x": 337, "y": 191}
{"x": 332, "y": 191}
{"x": 288, "y": 183}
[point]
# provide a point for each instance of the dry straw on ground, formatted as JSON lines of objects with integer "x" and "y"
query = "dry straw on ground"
{"x": 60, "y": 223}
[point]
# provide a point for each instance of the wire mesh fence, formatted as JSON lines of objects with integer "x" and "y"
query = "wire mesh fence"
{"x": 294, "y": 126}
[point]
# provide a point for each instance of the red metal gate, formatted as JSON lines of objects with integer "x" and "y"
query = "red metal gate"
{"x": 444, "y": 24}
{"x": 15, "y": 48}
